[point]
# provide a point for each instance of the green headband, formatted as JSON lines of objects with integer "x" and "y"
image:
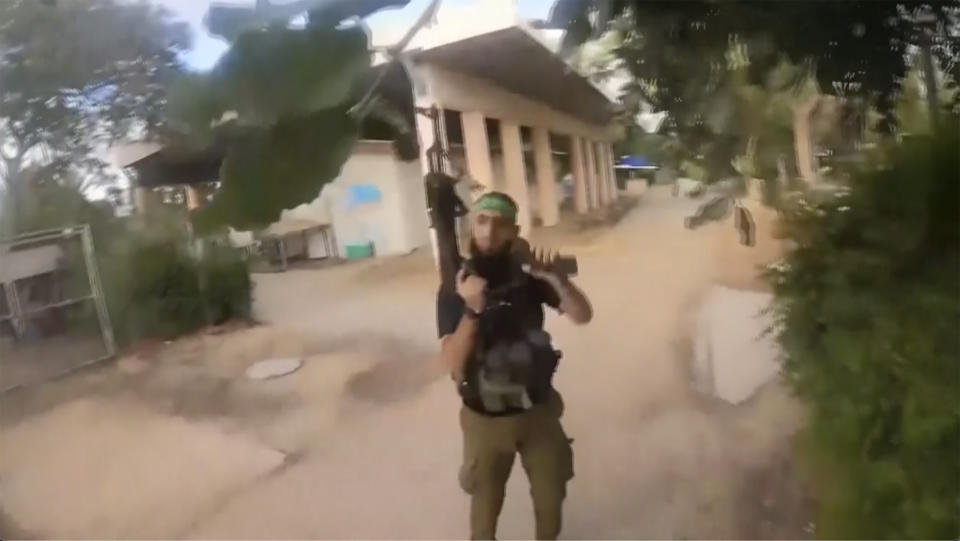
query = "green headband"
{"x": 496, "y": 204}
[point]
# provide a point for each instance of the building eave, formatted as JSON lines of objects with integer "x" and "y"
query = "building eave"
{"x": 515, "y": 59}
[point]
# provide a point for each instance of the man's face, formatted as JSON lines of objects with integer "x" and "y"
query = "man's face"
{"x": 492, "y": 231}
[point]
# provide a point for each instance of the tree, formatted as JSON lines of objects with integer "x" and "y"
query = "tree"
{"x": 866, "y": 312}
{"x": 284, "y": 104}
{"x": 75, "y": 74}
{"x": 913, "y": 106}
{"x": 855, "y": 51}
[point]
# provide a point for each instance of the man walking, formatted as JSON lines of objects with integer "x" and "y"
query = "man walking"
{"x": 493, "y": 343}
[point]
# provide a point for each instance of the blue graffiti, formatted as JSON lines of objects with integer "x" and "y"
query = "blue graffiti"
{"x": 361, "y": 194}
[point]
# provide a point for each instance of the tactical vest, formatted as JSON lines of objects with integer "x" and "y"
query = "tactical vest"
{"x": 512, "y": 364}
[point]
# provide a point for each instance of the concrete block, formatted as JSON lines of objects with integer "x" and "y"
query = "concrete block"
{"x": 733, "y": 356}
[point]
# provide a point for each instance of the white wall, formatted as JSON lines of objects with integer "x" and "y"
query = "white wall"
{"x": 28, "y": 262}
{"x": 396, "y": 224}
{"x": 414, "y": 203}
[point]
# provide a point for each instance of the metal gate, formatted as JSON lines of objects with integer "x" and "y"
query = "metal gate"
{"x": 53, "y": 317}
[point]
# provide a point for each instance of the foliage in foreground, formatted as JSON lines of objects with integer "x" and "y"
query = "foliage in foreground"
{"x": 868, "y": 311}
{"x": 284, "y": 105}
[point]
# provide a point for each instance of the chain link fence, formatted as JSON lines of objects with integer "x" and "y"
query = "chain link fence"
{"x": 53, "y": 317}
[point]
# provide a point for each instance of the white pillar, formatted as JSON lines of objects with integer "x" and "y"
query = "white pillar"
{"x": 603, "y": 174}
{"x": 546, "y": 178}
{"x": 142, "y": 199}
{"x": 603, "y": 179}
{"x": 593, "y": 184}
{"x": 581, "y": 200}
{"x": 603, "y": 162}
{"x": 194, "y": 198}
{"x": 515, "y": 172}
{"x": 476, "y": 148}
{"x": 611, "y": 162}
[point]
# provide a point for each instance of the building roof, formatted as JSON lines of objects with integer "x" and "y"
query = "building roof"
{"x": 170, "y": 165}
{"x": 516, "y": 60}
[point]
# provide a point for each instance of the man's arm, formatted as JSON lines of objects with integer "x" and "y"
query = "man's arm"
{"x": 455, "y": 348}
{"x": 573, "y": 302}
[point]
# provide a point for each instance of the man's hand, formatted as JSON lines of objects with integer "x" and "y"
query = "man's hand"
{"x": 541, "y": 266}
{"x": 573, "y": 302}
{"x": 471, "y": 289}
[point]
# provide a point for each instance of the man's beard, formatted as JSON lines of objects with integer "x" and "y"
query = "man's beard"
{"x": 496, "y": 268}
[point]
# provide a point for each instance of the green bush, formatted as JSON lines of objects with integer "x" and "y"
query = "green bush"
{"x": 164, "y": 296}
{"x": 156, "y": 289}
{"x": 226, "y": 284}
{"x": 153, "y": 285}
{"x": 868, "y": 313}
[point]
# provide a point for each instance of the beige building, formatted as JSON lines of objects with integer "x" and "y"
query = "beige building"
{"x": 516, "y": 118}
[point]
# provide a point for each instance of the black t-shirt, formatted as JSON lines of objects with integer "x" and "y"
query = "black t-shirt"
{"x": 450, "y": 305}
{"x": 532, "y": 295}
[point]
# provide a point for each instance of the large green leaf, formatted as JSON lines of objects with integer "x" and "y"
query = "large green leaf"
{"x": 279, "y": 104}
{"x": 232, "y": 21}
{"x": 269, "y": 82}
{"x": 272, "y": 74}
{"x": 280, "y": 72}
{"x": 267, "y": 170}
{"x": 194, "y": 107}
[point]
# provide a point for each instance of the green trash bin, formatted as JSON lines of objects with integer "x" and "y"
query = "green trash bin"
{"x": 359, "y": 251}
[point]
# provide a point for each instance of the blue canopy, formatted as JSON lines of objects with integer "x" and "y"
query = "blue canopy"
{"x": 634, "y": 162}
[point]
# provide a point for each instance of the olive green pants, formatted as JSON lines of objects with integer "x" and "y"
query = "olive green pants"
{"x": 489, "y": 447}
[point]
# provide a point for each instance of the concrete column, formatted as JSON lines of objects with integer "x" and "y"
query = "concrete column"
{"x": 611, "y": 161}
{"x": 603, "y": 174}
{"x": 603, "y": 180}
{"x": 515, "y": 172}
{"x": 477, "y": 149}
{"x": 581, "y": 201}
{"x": 603, "y": 186}
{"x": 603, "y": 162}
{"x": 546, "y": 178}
{"x": 593, "y": 183}
{"x": 194, "y": 198}
{"x": 141, "y": 199}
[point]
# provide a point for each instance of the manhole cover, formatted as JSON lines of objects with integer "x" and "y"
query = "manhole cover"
{"x": 272, "y": 368}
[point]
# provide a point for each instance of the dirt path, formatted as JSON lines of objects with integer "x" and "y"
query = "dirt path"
{"x": 653, "y": 460}
{"x": 368, "y": 428}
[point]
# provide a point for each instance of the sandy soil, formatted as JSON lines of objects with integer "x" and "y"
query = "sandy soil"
{"x": 363, "y": 442}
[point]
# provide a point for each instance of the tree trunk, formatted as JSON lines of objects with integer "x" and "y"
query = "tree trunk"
{"x": 802, "y": 140}
{"x": 8, "y": 210}
{"x": 930, "y": 82}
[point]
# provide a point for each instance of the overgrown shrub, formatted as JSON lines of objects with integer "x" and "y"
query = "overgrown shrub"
{"x": 226, "y": 285}
{"x": 165, "y": 297}
{"x": 157, "y": 288}
{"x": 868, "y": 311}
{"x": 153, "y": 285}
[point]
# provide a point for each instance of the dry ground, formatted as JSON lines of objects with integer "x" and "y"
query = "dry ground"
{"x": 363, "y": 442}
